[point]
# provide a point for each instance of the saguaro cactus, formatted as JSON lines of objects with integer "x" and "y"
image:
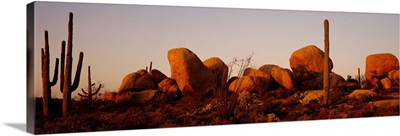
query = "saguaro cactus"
{"x": 47, "y": 84}
{"x": 151, "y": 65}
{"x": 359, "y": 77}
{"x": 89, "y": 93}
{"x": 326, "y": 63}
{"x": 68, "y": 88}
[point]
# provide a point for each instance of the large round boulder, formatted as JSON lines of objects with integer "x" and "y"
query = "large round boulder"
{"x": 379, "y": 65}
{"x": 135, "y": 82}
{"x": 267, "y": 68}
{"x": 219, "y": 69}
{"x": 284, "y": 77}
{"x": 257, "y": 73}
{"x": 308, "y": 62}
{"x": 191, "y": 75}
{"x": 335, "y": 80}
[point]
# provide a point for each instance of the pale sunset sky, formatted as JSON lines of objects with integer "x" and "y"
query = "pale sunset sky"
{"x": 120, "y": 39}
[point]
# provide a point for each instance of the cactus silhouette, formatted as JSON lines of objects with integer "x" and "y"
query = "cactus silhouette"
{"x": 89, "y": 93}
{"x": 151, "y": 65}
{"x": 47, "y": 84}
{"x": 326, "y": 63}
{"x": 68, "y": 87}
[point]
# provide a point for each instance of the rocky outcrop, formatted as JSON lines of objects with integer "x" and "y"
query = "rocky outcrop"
{"x": 191, "y": 75}
{"x": 219, "y": 69}
{"x": 379, "y": 65}
{"x": 136, "y": 82}
{"x": 308, "y": 62}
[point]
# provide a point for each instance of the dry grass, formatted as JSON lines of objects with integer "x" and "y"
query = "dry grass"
{"x": 223, "y": 107}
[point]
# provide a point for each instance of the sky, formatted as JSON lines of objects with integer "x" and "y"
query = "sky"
{"x": 120, "y": 39}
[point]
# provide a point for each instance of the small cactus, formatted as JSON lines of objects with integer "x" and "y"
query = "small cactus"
{"x": 89, "y": 93}
{"x": 151, "y": 65}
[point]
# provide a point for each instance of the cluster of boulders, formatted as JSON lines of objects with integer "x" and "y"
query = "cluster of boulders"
{"x": 382, "y": 70}
{"x": 191, "y": 76}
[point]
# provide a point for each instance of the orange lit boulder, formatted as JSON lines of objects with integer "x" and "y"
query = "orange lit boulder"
{"x": 109, "y": 96}
{"x": 386, "y": 83}
{"x": 191, "y": 75}
{"x": 257, "y": 73}
{"x": 267, "y": 68}
{"x": 308, "y": 62}
{"x": 169, "y": 87}
{"x": 219, "y": 69}
{"x": 386, "y": 104}
{"x": 249, "y": 84}
{"x": 362, "y": 94}
{"x": 284, "y": 77}
{"x": 135, "y": 82}
{"x": 156, "y": 75}
{"x": 379, "y": 65}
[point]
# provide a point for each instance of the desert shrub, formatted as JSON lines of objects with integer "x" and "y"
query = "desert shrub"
{"x": 241, "y": 63}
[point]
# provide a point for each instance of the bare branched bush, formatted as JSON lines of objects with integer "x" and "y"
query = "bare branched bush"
{"x": 241, "y": 63}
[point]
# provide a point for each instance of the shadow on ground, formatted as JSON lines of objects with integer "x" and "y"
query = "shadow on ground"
{"x": 18, "y": 126}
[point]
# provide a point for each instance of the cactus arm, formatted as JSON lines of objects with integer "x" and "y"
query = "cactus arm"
{"x": 84, "y": 91}
{"x": 55, "y": 77}
{"x": 62, "y": 66}
{"x": 82, "y": 95}
{"x": 78, "y": 73}
{"x": 98, "y": 89}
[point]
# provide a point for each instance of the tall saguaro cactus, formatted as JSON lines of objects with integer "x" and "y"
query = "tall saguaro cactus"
{"x": 89, "y": 93}
{"x": 47, "y": 84}
{"x": 326, "y": 63}
{"x": 68, "y": 88}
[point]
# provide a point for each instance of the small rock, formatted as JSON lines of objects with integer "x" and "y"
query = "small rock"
{"x": 109, "y": 96}
{"x": 394, "y": 76}
{"x": 136, "y": 97}
{"x": 387, "y": 83}
{"x": 362, "y": 94}
{"x": 386, "y": 104}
